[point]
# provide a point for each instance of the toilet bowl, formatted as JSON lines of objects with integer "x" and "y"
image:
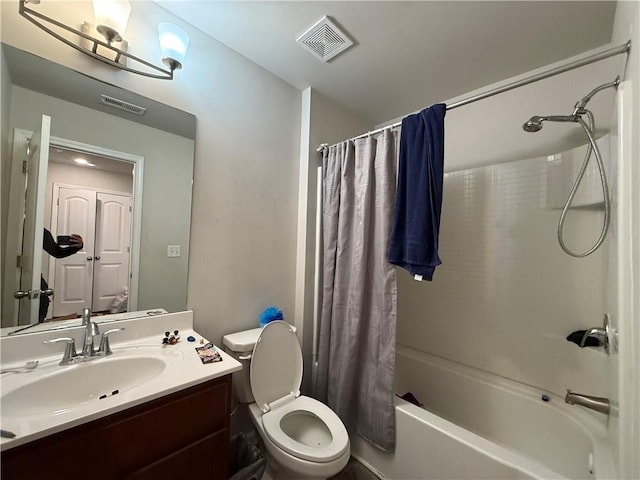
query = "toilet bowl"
{"x": 303, "y": 438}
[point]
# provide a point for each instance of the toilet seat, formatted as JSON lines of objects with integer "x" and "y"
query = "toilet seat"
{"x": 336, "y": 447}
{"x": 276, "y": 374}
{"x": 276, "y": 365}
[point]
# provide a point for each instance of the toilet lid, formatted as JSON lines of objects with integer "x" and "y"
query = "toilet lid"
{"x": 276, "y": 364}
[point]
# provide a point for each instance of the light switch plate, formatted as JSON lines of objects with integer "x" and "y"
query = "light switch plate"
{"x": 173, "y": 250}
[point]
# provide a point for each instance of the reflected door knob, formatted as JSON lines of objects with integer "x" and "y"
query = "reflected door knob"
{"x": 97, "y": 257}
{"x": 89, "y": 258}
{"x": 33, "y": 294}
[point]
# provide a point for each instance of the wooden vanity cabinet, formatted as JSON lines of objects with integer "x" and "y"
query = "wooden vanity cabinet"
{"x": 180, "y": 436}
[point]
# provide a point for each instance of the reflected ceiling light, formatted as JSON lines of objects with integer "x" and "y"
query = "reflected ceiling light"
{"x": 111, "y": 17}
{"x": 84, "y": 162}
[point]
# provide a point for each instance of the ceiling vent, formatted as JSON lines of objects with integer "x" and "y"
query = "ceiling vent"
{"x": 122, "y": 105}
{"x": 324, "y": 40}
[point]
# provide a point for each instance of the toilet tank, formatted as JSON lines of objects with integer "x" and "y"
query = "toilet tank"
{"x": 240, "y": 346}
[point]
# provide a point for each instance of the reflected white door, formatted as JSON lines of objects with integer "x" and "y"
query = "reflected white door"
{"x": 111, "y": 259}
{"x": 74, "y": 274}
{"x": 31, "y": 257}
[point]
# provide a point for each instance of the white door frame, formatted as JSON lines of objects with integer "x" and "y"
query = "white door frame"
{"x": 136, "y": 225}
{"x": 11, "y": 275}
{"x": 628, "y": 230}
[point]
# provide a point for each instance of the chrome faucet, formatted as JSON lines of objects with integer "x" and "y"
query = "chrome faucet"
{"x": 599, "y": 404}
{"x": 90, "y": 331}
{"x": 89, "y": 352}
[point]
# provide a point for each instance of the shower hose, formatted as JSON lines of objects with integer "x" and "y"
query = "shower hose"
{"x": 592, "y": 148}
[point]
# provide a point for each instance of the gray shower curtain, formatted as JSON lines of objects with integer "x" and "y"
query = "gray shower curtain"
{"x": 357, "y": 336}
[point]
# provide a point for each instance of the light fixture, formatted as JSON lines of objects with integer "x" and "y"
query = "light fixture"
{"x": 173, "y": 44}
{"x": 84, "y": 162}
{"x": 111, "y": 18}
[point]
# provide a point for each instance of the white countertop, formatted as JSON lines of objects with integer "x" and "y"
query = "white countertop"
{"x": 183, "y": 369}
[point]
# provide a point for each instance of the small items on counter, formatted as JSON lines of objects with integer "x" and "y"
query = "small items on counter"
{"x": 208, "y": 353}
{"x": 170, "y": 339}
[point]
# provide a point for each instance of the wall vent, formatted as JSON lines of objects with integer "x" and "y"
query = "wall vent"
{"x": 324, "y": 40}
{"x": 122, "y": 105}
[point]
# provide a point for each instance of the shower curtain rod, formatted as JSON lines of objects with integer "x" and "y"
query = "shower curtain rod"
{"x": 596, "y": 57}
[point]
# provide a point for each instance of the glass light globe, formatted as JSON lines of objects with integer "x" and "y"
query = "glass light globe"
{"x": 173, "y": 44}
{"x": 111, "y": 17}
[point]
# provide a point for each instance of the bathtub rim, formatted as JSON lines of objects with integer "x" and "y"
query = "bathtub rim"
{"x": 592, "y": 426}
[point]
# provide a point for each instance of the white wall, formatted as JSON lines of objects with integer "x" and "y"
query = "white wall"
{"x": 166, "y": 192}
{"x": 246, "y": 163}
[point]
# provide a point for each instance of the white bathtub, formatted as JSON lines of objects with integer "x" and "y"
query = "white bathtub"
{"x": 480, "y": 426}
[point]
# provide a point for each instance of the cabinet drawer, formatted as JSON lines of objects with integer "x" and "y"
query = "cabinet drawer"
{"x": 197, "y": 461}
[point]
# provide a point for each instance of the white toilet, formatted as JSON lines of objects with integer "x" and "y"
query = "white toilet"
{"x": 304, "y": 438}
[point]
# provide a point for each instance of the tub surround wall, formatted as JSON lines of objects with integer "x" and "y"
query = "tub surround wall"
{"x": 505, "y": 295}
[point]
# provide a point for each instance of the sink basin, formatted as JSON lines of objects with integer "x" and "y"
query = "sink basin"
{"x": 70, "y": 386}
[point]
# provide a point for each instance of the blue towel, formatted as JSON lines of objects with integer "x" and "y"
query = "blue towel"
{"x": 416, "y": 217}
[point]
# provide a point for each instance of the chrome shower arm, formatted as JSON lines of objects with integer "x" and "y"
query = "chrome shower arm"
{"x": 584, "y": 100}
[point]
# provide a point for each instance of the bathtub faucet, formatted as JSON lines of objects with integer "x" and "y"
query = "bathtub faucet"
{"x": 599, "y": 404}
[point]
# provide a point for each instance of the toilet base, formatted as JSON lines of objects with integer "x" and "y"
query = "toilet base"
{"x": 283, "y": 466}
{"x": 275, "y": 471}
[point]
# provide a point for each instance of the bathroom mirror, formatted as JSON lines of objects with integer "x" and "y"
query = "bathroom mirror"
{"x": 137, "y": 151}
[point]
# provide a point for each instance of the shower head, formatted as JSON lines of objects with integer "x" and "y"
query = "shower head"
{"x": 534, "y": 124}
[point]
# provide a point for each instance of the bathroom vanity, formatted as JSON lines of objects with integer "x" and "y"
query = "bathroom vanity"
{"x": 182, "y": 435}
{"x": 172, "y": 424}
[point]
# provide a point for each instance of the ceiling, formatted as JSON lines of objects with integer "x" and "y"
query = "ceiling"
{"x": 407, "y": 55}
{"x": 68, "y": 157}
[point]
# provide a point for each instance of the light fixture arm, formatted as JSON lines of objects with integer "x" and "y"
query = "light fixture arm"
{"x": 32, "y": 16}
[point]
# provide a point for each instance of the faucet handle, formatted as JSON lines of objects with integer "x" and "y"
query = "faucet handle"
{"x": 69, "y": 351}
{"x": 596, "y": 333}
{"x": 604, "y": 336}
{"x": 105, "y": 348}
